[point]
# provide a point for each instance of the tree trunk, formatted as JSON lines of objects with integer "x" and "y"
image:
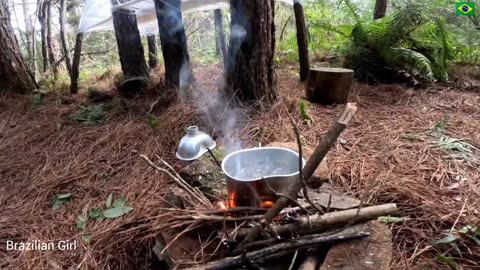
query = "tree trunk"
{"x": 152, "y": 51}
{"x": 380, "y": 9}
{"x": 14, "y": 73}
{"x": 28, "y": 27}
{"x": 301, "y": 39}
{"x": 130, "y": 50}
{"x": 220, "y": 34}
{"x": 251, "y": 52}
{"x": 51, "y": 54}
{"x": 43, "y": 33}
{"x": 76, "y": 64}
{"x": 34, "y": 38}
{"x": 178, "y": 70}
{"x": 66, "y": 50}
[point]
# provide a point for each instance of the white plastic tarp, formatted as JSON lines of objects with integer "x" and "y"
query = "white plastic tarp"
{"x": 97, "y": 14}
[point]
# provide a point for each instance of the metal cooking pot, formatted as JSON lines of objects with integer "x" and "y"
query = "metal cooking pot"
{"x": 256, "y": 175}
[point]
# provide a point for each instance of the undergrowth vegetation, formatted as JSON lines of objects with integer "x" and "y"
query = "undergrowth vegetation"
{"x": 416, "y": 39}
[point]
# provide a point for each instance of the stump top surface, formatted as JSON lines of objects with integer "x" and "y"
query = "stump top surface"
{"x": 334, "y": 70}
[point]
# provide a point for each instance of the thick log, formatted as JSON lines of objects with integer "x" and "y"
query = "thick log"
{"x": 77, "y": 53}
{"x": 330, "y": 220}
{"x": 301, "y": 39}
{"x": 328, "y": 86}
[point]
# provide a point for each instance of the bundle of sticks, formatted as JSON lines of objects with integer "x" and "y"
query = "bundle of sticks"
{"x": 288, "y": 226}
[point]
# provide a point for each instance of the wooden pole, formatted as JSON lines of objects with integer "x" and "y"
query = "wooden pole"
{"x": 77, "y": 53}
{"x": 301, "y": 39}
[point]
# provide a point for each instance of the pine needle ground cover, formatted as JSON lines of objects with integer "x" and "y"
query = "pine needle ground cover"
{"x": 67, "y": 179}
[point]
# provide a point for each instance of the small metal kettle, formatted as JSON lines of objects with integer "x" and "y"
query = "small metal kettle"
{"x": 194, "y": 144}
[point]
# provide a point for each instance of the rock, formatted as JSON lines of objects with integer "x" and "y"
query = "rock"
{"x": 205, "y": 174}
{"x": 371, "y": 253}
{"x": 321, "y": 174}
{"x": 183, "y": 247}
{"x": 310, "y": 263}
{"x": 337, "y": 202}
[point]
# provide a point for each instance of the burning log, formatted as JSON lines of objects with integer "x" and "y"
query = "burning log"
{"x": 323, "y": 147}
{"x": 286, "y": 247}
{"x": 331, "y": 220}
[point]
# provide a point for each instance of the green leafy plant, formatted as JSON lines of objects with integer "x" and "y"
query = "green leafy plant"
{"x": 154, "y": 122}
{"x": 119, "y": 209}
{"x": 95, "y": 213}
{"x": 108, "y": 203}
{"x": 35, "y": 101}
{"x": 391, "y": 220}
{"x": 92, "y": 114}
{"x": 86, "y": 238}
{"x": 81, "y": 222}
{"x": 452, "y": 240}
{"x": 406, "y": 40}
{"x": 59, "y": 200}
{"x": 303, "y": 107}
{"x": 114, "y": 210}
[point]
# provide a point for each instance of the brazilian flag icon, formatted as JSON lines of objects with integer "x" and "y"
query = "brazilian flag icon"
{"x": 465, "y": 9}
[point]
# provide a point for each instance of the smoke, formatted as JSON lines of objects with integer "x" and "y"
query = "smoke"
{"x": 224, "y": 119}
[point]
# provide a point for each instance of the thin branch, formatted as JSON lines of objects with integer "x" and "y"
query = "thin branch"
{"x": 293, "y": 260}
{"x": 300, "y": 162}
{"x": 185, "y": 186}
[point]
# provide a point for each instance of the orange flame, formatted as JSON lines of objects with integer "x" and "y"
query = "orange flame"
{"x": 232, "y": 200}
{"x": 266, "y": 204}
{"x": 221, "y": 205}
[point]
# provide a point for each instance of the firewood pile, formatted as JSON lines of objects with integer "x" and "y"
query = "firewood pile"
{"x": 305, "y": 228}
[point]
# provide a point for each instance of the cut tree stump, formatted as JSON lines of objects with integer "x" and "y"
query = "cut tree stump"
{"x": 328, "y": 86}
{"x": 372, "y": 253}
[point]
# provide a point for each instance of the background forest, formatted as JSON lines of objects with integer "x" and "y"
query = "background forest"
{"x": 432, "y": 39}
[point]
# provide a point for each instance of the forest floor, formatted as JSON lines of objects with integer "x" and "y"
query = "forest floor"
{"x": 416, "y": 148}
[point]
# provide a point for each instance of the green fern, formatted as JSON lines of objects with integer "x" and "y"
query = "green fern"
{"x": 413, "y": 59}
{"x": 380, "y": 48}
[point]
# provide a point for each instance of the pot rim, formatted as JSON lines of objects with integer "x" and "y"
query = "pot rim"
{"x": 257, "y": 149}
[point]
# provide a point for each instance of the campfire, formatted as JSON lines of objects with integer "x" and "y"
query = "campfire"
{"x": 269, "y": 218}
